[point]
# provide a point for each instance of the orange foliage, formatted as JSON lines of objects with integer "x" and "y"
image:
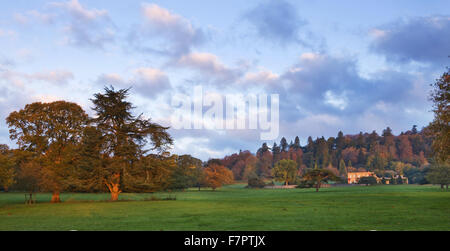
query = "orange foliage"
{"x": 217, "y": 175}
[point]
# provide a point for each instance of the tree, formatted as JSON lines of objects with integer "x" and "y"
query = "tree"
{"x": 322, "y": 154}
{"x": 200, "y": 178}
{"x": 414, "y": 129}
{"x": 256, "y": 182}
{"x": 250, "y": 167}
{"x": 342, "y": 169}
{"x": 319, "y": 176}
{"x": 184, "y": 175}
{"x": 350, "y": 154}
{"x": 360, "y": 141}
{"x": 285, "y": 171}
{"x": 439, "y": 174}
{"x": 90, "y": 171}
{"x": 389, "y": 143}
{"x": 264, "y": 148}
{"x": 284, "y": 145}
{"x": 50, "y": 131}
{"x": 275, "y": 153}
{"x": 440, "y": 126}
{"x": 151, "y": 173}
{"x": 7, "y": 172}
{"x": 368, "y": 180}
{"x": 310, "y": 145}
{"x": 340, "y": 141}
{"x": 405, "y": 149}
{"x": 372, "y": 141}
{"x": 296, "y": 144}
{"x": 376, "y": 162}
{"x": 217, "y": 175}
{"x": 125, "y": 135}
{"x": 264, "y": 164}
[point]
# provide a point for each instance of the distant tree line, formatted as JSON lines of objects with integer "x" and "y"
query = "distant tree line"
{"x": 421, "y": 156}
{"x": 387, "y": 155}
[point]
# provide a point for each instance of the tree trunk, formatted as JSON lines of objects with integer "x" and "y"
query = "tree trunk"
{"x": 55, "y": 197}
{"x": 5, "y": 188}
{"x": 115, "y": 191}
{"x": 114, "y": 196}
{"x": 317, "y": 186}
{"x": 114, "y": 187}
{"x": 442, "y": 186}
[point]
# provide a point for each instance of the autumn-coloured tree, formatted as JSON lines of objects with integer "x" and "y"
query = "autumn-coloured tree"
{"x": 250, "y": 167}
{"x": 440, "y": 127}
{"x": 319, "y": 176}
{"x": 350, "y": 154}
{"x": 124, "y": 134}
{"x": 217, "y": 175}
{"x": 405, "y": 149}
{"x": 285, "y": 171}
{"x": 50, "y": 131}
{"x": 7, "y": 172}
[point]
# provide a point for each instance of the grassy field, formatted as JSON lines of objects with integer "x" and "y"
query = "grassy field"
{"x": 395, "y": 207}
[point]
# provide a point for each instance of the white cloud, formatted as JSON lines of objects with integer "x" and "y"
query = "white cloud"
{"x": 90, "y": 28}
{"x": 163, "y": 19}
{"x": 110, "y": 79}
{"x": 338, "y": 101}
{"x": 146, "y": 81}
{"x": 165, "y": 32}
{"x": 76, "y": 10}
{"x": 209, "y": 64}
{"x": 54, "y": 77}
{"x": 201, "y": 150}
{"x": 264, "y": 76}
{"x": 310, "y": 56}
{"x": 151, "y": 81}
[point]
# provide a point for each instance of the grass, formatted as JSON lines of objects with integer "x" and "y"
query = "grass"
{"x": 394, "y": 207}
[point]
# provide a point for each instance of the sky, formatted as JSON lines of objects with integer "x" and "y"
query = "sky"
{"x": 346, "y": 66}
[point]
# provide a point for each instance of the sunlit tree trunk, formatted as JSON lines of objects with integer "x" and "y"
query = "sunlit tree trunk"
{"x": 114, "y": 187}
{"x": 55, "y": 197}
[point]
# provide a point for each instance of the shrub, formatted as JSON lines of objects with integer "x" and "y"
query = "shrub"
{"x": 370, "y": 180}
{"x": 256, "y": 182}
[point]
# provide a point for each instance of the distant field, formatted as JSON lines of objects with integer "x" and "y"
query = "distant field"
{"x": 395, "y": 207}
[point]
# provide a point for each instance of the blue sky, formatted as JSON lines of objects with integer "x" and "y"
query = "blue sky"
{"x": 337, "y": 65}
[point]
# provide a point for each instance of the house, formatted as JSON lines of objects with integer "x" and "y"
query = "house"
{"x": 395, "y": 180}
{"x": 353, "y": 177}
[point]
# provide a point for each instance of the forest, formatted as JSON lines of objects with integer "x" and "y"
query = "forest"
{"x": 387, "y": 155}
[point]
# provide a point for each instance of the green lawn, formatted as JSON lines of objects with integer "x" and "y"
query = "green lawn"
{"x": 395, "y": 207}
